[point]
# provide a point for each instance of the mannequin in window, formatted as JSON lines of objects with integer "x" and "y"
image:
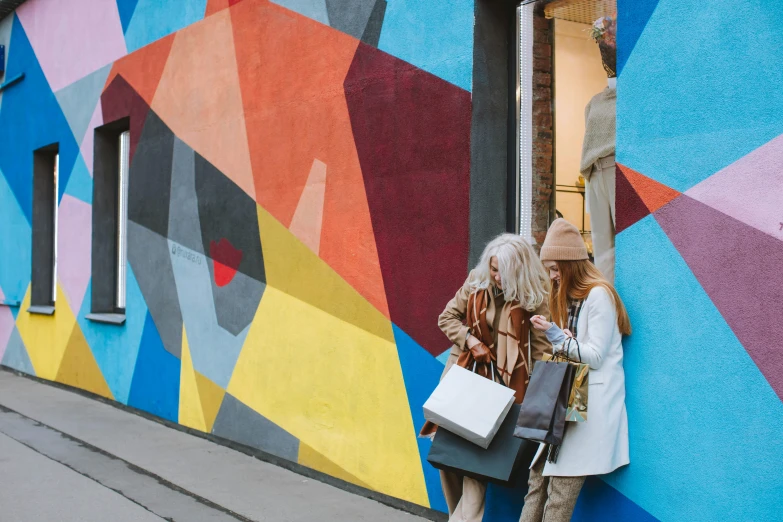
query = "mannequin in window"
{"x": 598, "y": 148}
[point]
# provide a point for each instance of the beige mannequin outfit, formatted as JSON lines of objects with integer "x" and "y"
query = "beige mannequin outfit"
{"x": 598, "y": 169}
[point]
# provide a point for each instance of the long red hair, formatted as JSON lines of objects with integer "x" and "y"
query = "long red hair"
{"x": 577, "y": 278}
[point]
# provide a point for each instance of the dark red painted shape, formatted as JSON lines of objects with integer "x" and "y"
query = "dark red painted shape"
{"x": 629, "y": 207}
{"x": 226, "y": 260}
{"x": 120, "y": 100}
{"x": 412, "y": 134}
{"x": 232, "y": 2}
{"x": 741, "y": 269}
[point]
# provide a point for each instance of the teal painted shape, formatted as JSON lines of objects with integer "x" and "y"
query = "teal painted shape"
{"x": 154, "y": 19}
{"x": 315, "y": 9}
{"x": 704, "y": 423}
{"x": 79, "y": 99}
{"x": 16, "y": 356}
{"x": 421, "y": 373}
{"x": 16, "y": 255}
{"x": 126, "y": 9}
{"x": 80, "y": 181}
{"x": 695, "y": 96}
{"x": 116, "y": 348}
{"x": 444, "y": 357}
{"x": 436, "y": 36}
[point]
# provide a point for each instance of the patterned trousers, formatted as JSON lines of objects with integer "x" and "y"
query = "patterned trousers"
{"x": 550, "y": 499}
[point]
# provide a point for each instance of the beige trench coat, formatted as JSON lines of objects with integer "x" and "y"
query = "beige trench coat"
{"x": 452, "y": 320}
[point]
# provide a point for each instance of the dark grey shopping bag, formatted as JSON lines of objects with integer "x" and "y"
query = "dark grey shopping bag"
{"x": 542, "y": 415}
{"x": 504, "y": 462}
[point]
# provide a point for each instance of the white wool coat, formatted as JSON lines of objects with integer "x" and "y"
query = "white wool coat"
{"x": 599, "y": 445}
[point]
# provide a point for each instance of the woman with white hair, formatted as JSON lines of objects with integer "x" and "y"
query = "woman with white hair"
{"x": 489, "y": 321}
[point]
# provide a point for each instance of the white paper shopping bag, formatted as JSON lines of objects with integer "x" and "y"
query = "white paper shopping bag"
{"x": 469, "y": 405}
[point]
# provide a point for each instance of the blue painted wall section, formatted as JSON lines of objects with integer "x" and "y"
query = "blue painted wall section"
{"x": 694, "y": 95}
{"x": 155, "y": 385}
{"x": 154, "y": 19}
{"x": 436, "y": 36}
{"x": 699, "y": 409}
{"x": 31, "y": 118}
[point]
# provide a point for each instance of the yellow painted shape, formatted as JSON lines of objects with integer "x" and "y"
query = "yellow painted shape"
{"x": 79, "y": 368}
{"x": 291, "y": 267}
{"x": 312, "y": 459}
{"x": 336, "y": 387}
{"x": 211, "y": 398}
{"x": 190, "y": 414}
{"x": 46, "y": 336}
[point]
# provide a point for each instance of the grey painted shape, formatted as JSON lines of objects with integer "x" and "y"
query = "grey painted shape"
{"x": 133, "y": 483}
{"x": 237, "y": 302}
{"x": 228, "y": 216}
{"x": 5, "y": 40}
{"x": 149, "y": 181}
{"x": 372, "y": 32}
{"x": 489, "y": 128}
{"x": 148, "y": 254}
{"x": 16, "y": 356}
{"x": 238, "y": 422}
{"x": 350, "y": 16}
{"x": 184, "y": 225}
{"x": 79, "y": 99}
{"x": 315, "y": 9}
{"x": 213, "y": 349}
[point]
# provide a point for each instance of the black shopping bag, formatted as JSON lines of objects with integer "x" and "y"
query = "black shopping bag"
{"x": 504, "y": 462}
{"x": 542, "y": 414}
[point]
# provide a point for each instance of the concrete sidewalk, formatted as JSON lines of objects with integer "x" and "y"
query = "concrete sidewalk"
{"x": 67, "y": 457}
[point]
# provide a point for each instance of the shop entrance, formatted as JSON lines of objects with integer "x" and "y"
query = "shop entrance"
{"x": 562, "y": 72}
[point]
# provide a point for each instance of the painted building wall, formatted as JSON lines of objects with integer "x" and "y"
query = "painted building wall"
{"x": 298, "y": 216}
{"x": 298, "y": 211}
{"x": 699, "y": 256}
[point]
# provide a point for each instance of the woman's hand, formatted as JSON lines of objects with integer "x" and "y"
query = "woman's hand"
{"x": 568, "y": 333}
{"x": 539, "y": 322}
{"x": 481, "y": 353}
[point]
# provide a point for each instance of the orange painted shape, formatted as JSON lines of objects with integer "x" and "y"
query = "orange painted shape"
{"x": 308, "y": 219}
{"x": 143, "y": 68}
{"x": 653, "y": 194}
{"x": 213, "y": 6}
{"x": 292, "y": 71}
{"x": 200, "y": 100}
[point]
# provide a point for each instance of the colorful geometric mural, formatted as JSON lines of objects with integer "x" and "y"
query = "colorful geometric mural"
{"x": 699, "y": 257}
{"x": 298, "y": 218}
{"x": 285, "y": 216}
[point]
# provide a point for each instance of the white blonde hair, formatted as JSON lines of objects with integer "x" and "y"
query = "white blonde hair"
{"x": 521, "y": 273}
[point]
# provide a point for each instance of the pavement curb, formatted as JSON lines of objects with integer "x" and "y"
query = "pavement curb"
{"x": 295, "y": 467}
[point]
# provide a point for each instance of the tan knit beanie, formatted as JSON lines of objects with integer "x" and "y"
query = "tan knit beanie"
{"x": 563, "y": 243}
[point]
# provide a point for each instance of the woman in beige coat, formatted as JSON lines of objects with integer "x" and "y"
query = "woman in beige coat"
{"x": 489, "y": 320}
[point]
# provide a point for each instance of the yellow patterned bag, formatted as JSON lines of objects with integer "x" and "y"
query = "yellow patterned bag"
{"x": 577, "y": 400}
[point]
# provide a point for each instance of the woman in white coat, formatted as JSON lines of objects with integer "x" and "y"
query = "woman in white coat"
{"x": 586, "y": 306}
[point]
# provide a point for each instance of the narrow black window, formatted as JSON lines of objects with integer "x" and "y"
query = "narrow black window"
{"x": 109, "y": 222}
{"x": 46, "y": 163}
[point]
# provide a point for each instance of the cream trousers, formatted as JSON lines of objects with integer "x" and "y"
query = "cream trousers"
{"x": 464, "y": 496}
{"x": 600, "y": 202}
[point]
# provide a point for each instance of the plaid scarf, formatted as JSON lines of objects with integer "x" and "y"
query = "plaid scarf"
{"x": 511, "y": 351}
{"x": 574, "y": 307}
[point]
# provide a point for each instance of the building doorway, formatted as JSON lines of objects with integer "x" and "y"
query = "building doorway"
{"x": 560, "y": 70}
